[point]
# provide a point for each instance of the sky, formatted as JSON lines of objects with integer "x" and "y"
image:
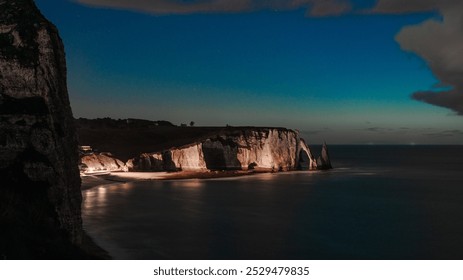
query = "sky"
{"x": 340, "y": 71}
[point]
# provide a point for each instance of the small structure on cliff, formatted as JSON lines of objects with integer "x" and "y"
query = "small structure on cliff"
{"x": 85, "y": 150}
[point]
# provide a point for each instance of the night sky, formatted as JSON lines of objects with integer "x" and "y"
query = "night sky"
{"x": 380, "y": 72}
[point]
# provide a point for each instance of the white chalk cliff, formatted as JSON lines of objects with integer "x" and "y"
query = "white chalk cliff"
{"x": 242, "y": 149}
{"x": 103, "y": 161}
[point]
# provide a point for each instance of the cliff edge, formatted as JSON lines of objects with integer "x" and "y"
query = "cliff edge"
{"x": 40, "y": 208}
{"x": 264, "y": 149}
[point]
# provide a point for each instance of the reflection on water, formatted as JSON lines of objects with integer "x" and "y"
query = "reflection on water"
{"x": 194, "y": 183}
{"x": 374, "y": 207}
{"x": 96, "y": 198}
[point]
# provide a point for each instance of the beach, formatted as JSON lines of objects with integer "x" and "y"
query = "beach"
{"x": 126, "y": 177}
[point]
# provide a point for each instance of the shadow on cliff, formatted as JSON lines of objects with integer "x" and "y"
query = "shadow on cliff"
{"x": 221, "y": 154}
{"x": 304, "y": 161}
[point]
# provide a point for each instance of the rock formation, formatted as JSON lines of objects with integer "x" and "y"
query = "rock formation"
{"x": 40, "y": 189}
{"x": 245, "y": 149}
{"x": 103, "y": 161}
{"x": 323, "y": 161}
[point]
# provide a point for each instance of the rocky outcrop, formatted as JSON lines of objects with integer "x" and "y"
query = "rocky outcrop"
{"x": 40, "y": 189}
{"x": 189, "y": 158}
{"x": 323, "y": 161}
{"x": 102, "y": 161}
{"x": 245, "y": 149}
{"x": 306, "y": 159}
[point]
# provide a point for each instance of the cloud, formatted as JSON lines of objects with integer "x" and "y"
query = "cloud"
{"x": 315, "y": 8}
{"x": 408, "y": 6}
{"x": 446, "y": 133}
{"x": 439, "y": 42}
{"x": 452, "y": 99}
{"x": 375, "y": 129}
{"x": 329, "y": 8}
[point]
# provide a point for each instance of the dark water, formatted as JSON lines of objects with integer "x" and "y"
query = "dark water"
{"x": 381, "y": 202}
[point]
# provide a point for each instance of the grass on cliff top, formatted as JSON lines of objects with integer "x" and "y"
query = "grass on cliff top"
{"x": 128, "y": 140}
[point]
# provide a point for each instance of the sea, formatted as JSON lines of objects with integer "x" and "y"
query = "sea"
{"x": 378, "y": 203}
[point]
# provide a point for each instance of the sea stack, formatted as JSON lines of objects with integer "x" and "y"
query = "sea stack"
{"x": 323, "y": 161}
{"x": 40, "y": 197}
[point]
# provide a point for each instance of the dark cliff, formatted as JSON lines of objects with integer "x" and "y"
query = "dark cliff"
{"x": 40, "y": 184}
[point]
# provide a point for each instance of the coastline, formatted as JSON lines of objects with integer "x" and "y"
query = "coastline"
{"x": 119, "y": 177}
{"x": 92, "y": 181}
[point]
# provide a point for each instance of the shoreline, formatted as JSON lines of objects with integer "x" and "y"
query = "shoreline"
{"x": 93, "y": 181}
{"x": 119, "y": 177}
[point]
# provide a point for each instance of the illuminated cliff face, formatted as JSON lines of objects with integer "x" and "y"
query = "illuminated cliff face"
{"x": 275, "y": 150}
{"x": 38, "y": 149}
{"x": 102, "y": 162}
{"x": 189, "y": 158}
{"x": 260, "y": 149}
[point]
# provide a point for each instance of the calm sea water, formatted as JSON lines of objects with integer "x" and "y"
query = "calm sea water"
{"x": 381, "y": 202}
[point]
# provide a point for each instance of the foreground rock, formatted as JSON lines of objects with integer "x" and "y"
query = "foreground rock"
{"x": 40, "y": 198}
{"x": 101, "y": 161}
{"x": 264, "y": 149}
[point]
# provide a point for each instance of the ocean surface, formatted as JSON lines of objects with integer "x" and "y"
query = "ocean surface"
{"x": 380, "y": 202}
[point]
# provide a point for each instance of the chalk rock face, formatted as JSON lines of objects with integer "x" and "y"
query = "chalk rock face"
{"x": 221, "y": 153}
{"x": 189, "y": 158}
{"x": 306, "y": 159}
{"x": 103, "y": 161}
{"x": 261, "y": 149}
{"x": 40, "y": 188}
{"x": 323, "y": 161}
{"x": 271, "y": 150}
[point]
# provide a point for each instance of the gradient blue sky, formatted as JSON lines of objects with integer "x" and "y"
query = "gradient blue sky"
{"x": 343, "y": 79}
